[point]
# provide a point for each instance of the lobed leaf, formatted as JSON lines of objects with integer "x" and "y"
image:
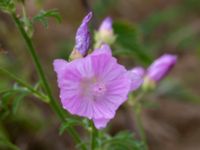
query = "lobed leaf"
{"x": 7, "y": 6}
{"x": 5, "y": 143}
{"x": 128, "y": 40}
{"x": 122, "y": 141}
{"x": 68, "y": 123}
{"x": 43, "y": 16}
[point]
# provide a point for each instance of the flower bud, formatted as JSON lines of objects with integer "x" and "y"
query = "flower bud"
{"x": 83, "y": 36}
{"x": 105, "y": 33}
{"x": 158, "y": 70}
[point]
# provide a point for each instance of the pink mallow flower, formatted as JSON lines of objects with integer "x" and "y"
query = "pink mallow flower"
{"x": 94, "y": 86}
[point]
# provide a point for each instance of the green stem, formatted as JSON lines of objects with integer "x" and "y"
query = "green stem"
{"x": 55, "y": 106}
{"x": 94, "y": 135}
{"x": 137, "y": 108}
{"x": 138, "y": 99}
{"x": 38, "y": 66}
{"x": 24, "y": 84}
{"x": 138, "y": 119}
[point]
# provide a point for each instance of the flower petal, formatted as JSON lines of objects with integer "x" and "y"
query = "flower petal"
{"x": 100, "y": 123}
{"x": 117, "y": 84}
{"x": 137, "y": 77}
{"x": 104, "y": 49}
{"x": 59, "y": 65}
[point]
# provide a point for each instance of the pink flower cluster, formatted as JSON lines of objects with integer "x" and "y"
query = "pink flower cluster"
{"x": 95, "y": 85}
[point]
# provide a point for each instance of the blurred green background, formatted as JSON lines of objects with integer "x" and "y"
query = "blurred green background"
{"x": 145, "y": 30}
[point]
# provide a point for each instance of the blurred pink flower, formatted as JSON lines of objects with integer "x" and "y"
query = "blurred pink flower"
{"x": 137, "y": 77}
{"x": 156, "y": 71}
{"x": 161, "y": 67}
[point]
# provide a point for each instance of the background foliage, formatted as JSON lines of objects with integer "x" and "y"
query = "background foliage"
{"x": 145, "y": 30}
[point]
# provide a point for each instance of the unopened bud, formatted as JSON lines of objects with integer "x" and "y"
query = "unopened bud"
{"x": 83, "y": 36}
{"x": 105, "y": 33}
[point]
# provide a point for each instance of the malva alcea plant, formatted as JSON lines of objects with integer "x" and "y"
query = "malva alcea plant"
{"x": 92, "y": 83}
{"x": 95, "y": 86}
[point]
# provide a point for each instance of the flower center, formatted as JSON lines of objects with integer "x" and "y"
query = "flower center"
{"x": 99, "y": 89}
{"x": 92, "y": 87}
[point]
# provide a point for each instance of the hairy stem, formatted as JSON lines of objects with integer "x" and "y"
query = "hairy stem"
{"x": 38, "y": 66}
{"x": 55, "y": 106}
{"x": 94, "y": 135}
{"x": 138, "y": 120}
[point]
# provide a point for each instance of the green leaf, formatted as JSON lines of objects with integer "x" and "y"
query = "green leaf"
{"x": 7, "y": 6}
{"x": 122, "y": 141}
{"x": 21, "y": 1}
{"x": 68, "y": 123}
{"x": 4, "y": 104}
{"x": 10, "y": 99}
{"x": 43, "y": 16}
{"x": 17, "y": 102}
{"x": 28, "y": 25}
{"x": 6, "y": 144}
{"x": 176, "y": 91}
{"x": 128, "y": 40}
{"x": 101, "y": 7}
{"x": 185, "y": 37}
{"x": 158, "y": 18}
{"x": 191, "y": 6}
{"x": 5, "y": 98}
